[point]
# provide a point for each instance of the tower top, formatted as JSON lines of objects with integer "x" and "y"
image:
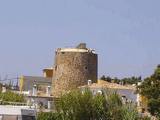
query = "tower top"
{"x": 82, "y": 46}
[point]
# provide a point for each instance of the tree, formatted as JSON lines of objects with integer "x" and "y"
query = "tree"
{"x": 126, "y": 80}
{"x": 150, "y": 88}
{"x": 78, "y": 105}
{"x": 131, "y": 80}
{"x": 103, "y": 77}
{"x": 116, "y": 80}
{"x": 108, "y": 79}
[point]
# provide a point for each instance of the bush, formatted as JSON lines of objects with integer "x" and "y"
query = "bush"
{"x": 11, "y": 97}
{"x": 78, "y": 105}
{"x": 48, "y": 116}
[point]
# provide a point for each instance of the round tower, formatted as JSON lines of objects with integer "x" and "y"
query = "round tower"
{"x": 73, "y": 68}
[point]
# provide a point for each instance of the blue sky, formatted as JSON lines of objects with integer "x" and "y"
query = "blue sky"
{"x": 125, "y": 34}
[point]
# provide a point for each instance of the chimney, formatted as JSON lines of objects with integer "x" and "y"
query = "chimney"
{"x": 81, "y": 46}
{"x": 48, "y": 91}
{"x": 89, "y": 82}
{"x": 4, "y": 88}
{"x": 34, "y": 92}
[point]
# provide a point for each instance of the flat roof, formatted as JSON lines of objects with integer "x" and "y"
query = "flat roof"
{"x": 76, "y": 50}
{"x": 16, "y": 110}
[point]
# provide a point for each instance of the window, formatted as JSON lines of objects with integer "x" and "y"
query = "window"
{"x": 25, "y": 117}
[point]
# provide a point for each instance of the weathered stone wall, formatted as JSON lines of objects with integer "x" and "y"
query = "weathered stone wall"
{"x": 73, "y": 69}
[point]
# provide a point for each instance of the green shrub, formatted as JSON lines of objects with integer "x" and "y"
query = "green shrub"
{"x": 11, "y": 97}
{"x": 76, "y": 105}
{"x": 48, "y": 116}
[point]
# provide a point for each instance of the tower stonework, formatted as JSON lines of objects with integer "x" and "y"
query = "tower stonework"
{"x": 73, "y": 68}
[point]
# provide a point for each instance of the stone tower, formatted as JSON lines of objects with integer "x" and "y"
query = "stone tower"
{"x": 73, "y": 68}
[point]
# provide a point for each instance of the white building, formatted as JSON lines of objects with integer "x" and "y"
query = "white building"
{"x": 10, "y": 112}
